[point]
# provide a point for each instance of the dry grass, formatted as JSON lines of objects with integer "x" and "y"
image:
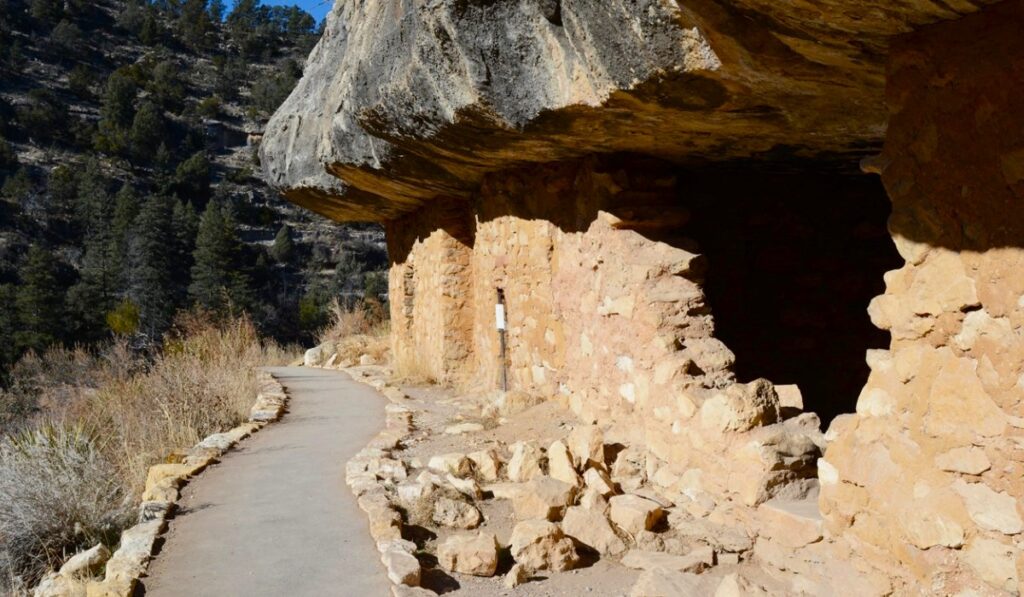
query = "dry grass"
{"x": 356, "y": 330}
{"x": 103, "y": 420}
{"x": 412, "y": 367}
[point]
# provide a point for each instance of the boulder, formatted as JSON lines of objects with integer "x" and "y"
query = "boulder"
{"x": 541, "y": 545}
{"x": 633, "y": 513}
{"x": 734, "y": 585}
{"x": 741, "y": 407}
{"x": 516, "y": 576}
{"x": 486, "y": 464}
{"x": 403, "y": 568}
{"x": 87, "y": 562}
{"x": 543, "y": 498}
{"x": 456, "y": 514}
{"x": 599, "y": 481}
{"x": 58, "y": 585}
{"x": 560, "y": 465}
{"x": 586, "y": 444}
{"x": 526, "y": 462}
{"x": 469, "y": 554}
{"x": 591, "y": 528}
{"x": 454, "y": 463}
{"x": 468, "y": 487}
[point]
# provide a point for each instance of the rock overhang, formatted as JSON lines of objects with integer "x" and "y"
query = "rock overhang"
{"x": 405, "y": 101}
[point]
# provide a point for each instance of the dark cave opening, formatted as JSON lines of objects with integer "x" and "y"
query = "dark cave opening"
{"x": 794, "y": 259}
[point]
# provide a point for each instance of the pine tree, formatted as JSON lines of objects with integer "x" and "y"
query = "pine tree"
{"x": 217, "y": 274}
{"x": 185, "y": 224}
{"x": 126, "y": 210}
{"x": 147, "y": 132}
{"x": 152, "y": 288}
{"x": 39, "y": 303}
{"x": 117, "y": 110}
{"x": 192, "y": 178}
{"x": 283, "y": 246}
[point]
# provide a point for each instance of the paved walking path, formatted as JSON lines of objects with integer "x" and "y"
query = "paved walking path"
{"x": 275, "y": 517}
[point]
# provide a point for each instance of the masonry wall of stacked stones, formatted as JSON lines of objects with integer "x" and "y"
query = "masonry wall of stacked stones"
{"x": 930, "y": 469}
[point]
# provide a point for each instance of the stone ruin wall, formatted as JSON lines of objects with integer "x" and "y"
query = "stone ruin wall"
{"x": 924, "y": 481}
{"x": 602, "y": 315}
{"x": 930, "y": 469}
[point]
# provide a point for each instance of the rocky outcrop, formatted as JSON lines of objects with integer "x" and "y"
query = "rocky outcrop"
{"x": 611, "y": 171}
{"x": 402, "y": 102}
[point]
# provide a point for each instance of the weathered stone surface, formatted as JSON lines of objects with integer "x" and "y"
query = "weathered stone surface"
{"x": 402, "y": 567}
{"x": 667, "y": 583}
{"x": 599, "y": 481}
{"x": 456, "y": 514}
{"x": 517, "y": 575}
{"x": 59, "y": 585}
{"x": 525, "y": 463}
{"x": 682, "y": 78}
{"x": 967, "y": 460}
{"x": 454, "y": 463}
{"x": 993, "y": 511}
{"x": 461, "y": 428}
{"x": 86, "y": 562}
{"x": 793, "y": 523}
{"x": 995, "y": 563}
{"x": 633, "y": 513}
{"x": 541, "y": 545}
{"x": 469, "y": 554}
{"x": 560, "y": 464}
{"x": 591, "y": 528}
{"x": 740, "y": 407}
{"x": 586, "y": 443}
{"x": 694, "y": 561}
{"x": 486, "y": 464}
{"x": 543, "y": 498}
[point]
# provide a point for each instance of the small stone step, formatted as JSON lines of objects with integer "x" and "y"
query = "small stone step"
{"x": 793, "y": 523}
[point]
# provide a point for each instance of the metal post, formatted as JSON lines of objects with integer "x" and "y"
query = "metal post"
{"x": 499, "y": 320}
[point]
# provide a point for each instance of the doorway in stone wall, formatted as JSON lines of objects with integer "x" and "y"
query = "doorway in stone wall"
{"x": 794, "y": 258}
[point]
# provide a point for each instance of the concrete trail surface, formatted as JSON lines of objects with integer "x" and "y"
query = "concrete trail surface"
{"x": 274, "y": 517}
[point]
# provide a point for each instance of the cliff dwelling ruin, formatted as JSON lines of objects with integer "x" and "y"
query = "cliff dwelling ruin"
{"x": 709, "y": 221}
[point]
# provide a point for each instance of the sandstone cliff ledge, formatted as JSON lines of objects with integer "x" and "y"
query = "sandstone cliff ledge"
{"x": 404, "y": 101}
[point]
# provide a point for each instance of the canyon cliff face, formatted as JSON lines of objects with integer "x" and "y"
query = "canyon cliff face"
{"x": 667, "y": 195}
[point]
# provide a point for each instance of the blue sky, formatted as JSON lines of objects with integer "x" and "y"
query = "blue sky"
{"x": 317, "y": 8}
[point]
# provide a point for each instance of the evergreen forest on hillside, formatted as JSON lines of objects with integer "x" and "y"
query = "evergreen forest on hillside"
{"x": 129, "y": 187}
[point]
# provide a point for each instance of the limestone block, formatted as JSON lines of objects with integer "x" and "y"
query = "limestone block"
{"x": 969, "y": 460}
{"x": 486, "y": 464}
{"x": 586, "y": 444}
{"x": 599, "y": 481}
{"x": 633, "y": 513}
{"x": 790, "y": 396}
{"x": 560, "y": 464}
{"x": 793, "y": 523}
{"x": 469, "y": 554}
{"x": 526, "y": 462}
{"x": 517, "y": 575}
{"x": 695, "y": 561}
{"x": 454, "y": 463}
{"x": 667, "y": 583}
{"x": 993, "y": 511}
{"x": 467, "y": 487}
{"x": 541, "y": 545}
{"x": 994, "y": 562}
{"x": 543, "y": 498}
{"x": 59, "y": 585}
{"x": 462, "y": 428}
{"x": 402, "y": 567}
{"x": 167, "y": 475}
{"x": 456, "y": 514}
{"x": 86, "y": 562}
{"x": 590, "y": 527}
{"x": 741, "y": 407}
